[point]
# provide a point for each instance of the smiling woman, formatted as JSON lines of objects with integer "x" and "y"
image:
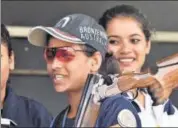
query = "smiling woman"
{"x": 129, "y": 36}
{"x": 70, "y": 58}
{"x": 128, "y": 43}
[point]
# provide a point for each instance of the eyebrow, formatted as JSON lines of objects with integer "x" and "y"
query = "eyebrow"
{"x": 135, "y": 35}
{"x": 115, "y": 36}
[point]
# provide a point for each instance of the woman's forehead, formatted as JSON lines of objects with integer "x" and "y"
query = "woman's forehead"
{"x": 125, "y": 26}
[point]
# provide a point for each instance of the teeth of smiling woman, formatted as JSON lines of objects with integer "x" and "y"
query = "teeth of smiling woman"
{"x": 58, "y": 77}
{"x": 126, "y": 60}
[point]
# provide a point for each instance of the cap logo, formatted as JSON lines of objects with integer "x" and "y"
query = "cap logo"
{"x": 62, "y": 23}
{"x": 88, "y": 33}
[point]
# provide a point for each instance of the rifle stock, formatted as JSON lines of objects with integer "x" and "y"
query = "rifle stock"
{"x": 91, "y": 114}
{"x": 166, "y": 74}
{"x": 88, "y": 110}
{"x": 169, "y": 71}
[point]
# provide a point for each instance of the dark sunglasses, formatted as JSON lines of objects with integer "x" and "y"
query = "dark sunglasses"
{"x": 63, "y": 54}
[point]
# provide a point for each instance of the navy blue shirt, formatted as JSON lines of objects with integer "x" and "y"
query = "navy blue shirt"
{"x": 25, "y": 112}
{"x": 118, "y": 110}
{"x": 61, "y": 120}
{"x": 115, "y": 110}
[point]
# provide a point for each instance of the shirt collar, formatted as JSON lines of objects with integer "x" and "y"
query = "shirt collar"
{"x": 10, "y": 104}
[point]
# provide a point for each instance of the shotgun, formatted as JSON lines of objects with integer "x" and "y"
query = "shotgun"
{"x": 165, "y": 72}
{"x": 97, "y": 87}
{"x": 89, "y": 106}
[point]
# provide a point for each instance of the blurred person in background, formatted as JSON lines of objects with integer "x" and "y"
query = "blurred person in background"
{"x": 23, "y": 112}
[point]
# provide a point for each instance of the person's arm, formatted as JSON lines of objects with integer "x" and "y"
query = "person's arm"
{"x": 160, "y": 83}
{"x": 118, "y": 111}
{"x": 39, "y": 114}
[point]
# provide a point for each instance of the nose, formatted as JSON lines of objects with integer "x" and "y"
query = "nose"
{"x": 56, "y": 63}
{"x": 125, "y": 48}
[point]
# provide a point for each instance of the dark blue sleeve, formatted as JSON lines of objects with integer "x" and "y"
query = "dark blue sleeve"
{"x": 40, "y": 115}
{"x": 169, "y": 108}
{"x": 118, "y": 110}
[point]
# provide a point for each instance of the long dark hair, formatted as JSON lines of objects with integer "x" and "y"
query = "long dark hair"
{"x": 133, "y": 12}
{"x": 5, "y": 38}
{"x": 109, "y": 65}
{"x": 127, "y": 11}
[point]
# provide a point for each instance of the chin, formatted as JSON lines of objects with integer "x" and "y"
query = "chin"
{"x": 127, "y": 69}
{"x": 59, "y": 89}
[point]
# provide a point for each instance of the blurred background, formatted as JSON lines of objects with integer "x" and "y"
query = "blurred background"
{"x": 162, "y": 15}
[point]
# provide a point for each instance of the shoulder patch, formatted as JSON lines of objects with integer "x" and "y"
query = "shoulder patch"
{"x": 126, "y": 118}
